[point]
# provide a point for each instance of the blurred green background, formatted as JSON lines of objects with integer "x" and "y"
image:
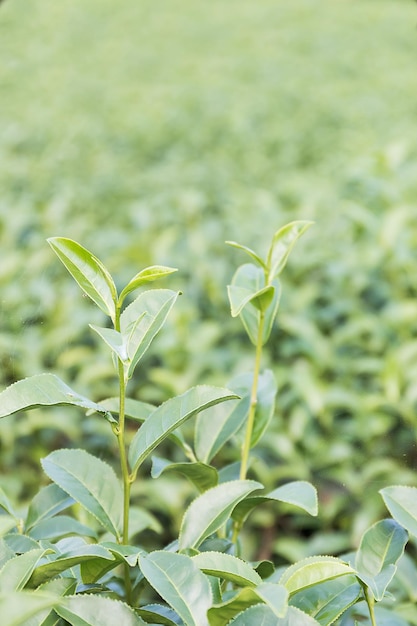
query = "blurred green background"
{"x": 151, "y": 132}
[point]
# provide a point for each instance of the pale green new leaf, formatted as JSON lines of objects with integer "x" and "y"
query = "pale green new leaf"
{"x": 147, "y": 275}
{"x": 282, "y": 244}
{"x": 248, "y": 281}
{"x": 7, "y": 522}
{"x": 248, "y": 251}
{"x": 215, "y": 428}
{"x": 16, "y": 572}
{"x": 180, "y": 583}
{"x": 169, "y": 416}
{"x": 94, "y": 568}
{"x": 376, "y": 559}
{"x": 142, "y": 320}
{"x": 313, "y": 570}
{"x": 201, "y": 475}
{"x": 42, "y": 390}
{"x": 262, "y": 615}
{"x": 49, "y": 501}
{"x": 91, "y": 482}
{"x": 89, "y": 272}
{"x": 114, "y": 340}
{"x": 17, "y": 608}
{"x": 239, "y": 297}
{"x": 401, "y": 501}
{"x": 211, "y": 510}
{"x": 92, "y": 610}
{"x": 299, "y": 493}
{"x": 328, "y": 600}
{"x": 227, "y": 567}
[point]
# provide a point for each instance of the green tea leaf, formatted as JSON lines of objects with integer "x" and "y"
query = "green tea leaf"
{"x": 282, "y": 244}
{"x": 313, "y": 570}
{"x": 273, "y": 596}
{"x": 159, "y": 614}
{"x": 247, "y": 282}
{"x": 380, "y": 548}
{"x": 59, "y": 526}
{"x": 201, "y": 475}
{"x": 7, "y": 522}
{"x": 91, "y": 482}
{"x": 6, "y": 504}
{"x": 227, "y": 567}
{"x": 211, "y": 510}
{"x": 88, "y": 271}
{"x": 16, "y": 572}
{"x": 169, "y": 416}
{"x": 248, "y": 251}
{"x": 42, "y": 390}
{"x": 328, "y": 600}
{"x": 114, "y": 340}
{"x": 49, "y": 501}
{"x": 180, "y": 583}
{"x": 142, "y": 320}
{"x": 94, "y": 568}
{"x": 17, "y": 608}
{"x": 154, "y": 272}
{"x": 85, "y": 610}
{"x": 299, "y": 493}
{"x": 263, "y": 615}
{"x": 59, "y": 562}
{"x": 56, "y": 587}
{"x": 401, "y": 501}
{"x": 213, "y": 430}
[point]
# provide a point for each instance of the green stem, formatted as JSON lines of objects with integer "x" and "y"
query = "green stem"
{"x": 371, "y": 605}
{"x": 253, "y": 401}
{"x": 120, "y": 432}
{"x": 251, "y": 416}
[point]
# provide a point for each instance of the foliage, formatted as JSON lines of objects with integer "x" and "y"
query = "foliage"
{"x": 60, "y": 567}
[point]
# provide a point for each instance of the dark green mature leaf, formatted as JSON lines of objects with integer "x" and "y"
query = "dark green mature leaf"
{"x": 299, "y": 493}
{"x": 180, "y": 583}
{"x": 263, "y": 615}
{"x": 59, "y": 562}
{"x": 159, "y": 614}
{"x": 401, "y": 501}
{"x": 149, "y": 274}
{"x": 328, "y": 600}
{"x": 42, "y": 390}
{"x": 6, "y": 504}
{"x": 16, "y": 572}
{"x": 227, "y": 567}
{"x": 142, "y": 320}
{"x": 89, "y": 272}
{"x": 84, "y": 610}
{"x": 17, "y": 608}
{"x": 282, "y": 244}
{"x": 91, "y": 482}
{"x": 273, "y": 596}
{"x": 211, "y": 510}
{"x": 59, "y": 526}
{"x": 313, "y": 570}
{"x": 169, "y": 416}
{"x": 380, "y": 548}
{"x": 49, "y": 501}
{"x": 201, "y": 475}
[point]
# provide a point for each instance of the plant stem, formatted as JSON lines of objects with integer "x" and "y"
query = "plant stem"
{"x": 253, "y": 401}
{"x": 120, "y": 432}
{"x": 371, "y": 605}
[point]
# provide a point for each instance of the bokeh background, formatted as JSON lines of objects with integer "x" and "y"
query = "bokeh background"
{"x": 151, "y": 132}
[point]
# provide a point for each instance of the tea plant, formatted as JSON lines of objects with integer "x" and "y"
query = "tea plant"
{"x": 71, "y": 558}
